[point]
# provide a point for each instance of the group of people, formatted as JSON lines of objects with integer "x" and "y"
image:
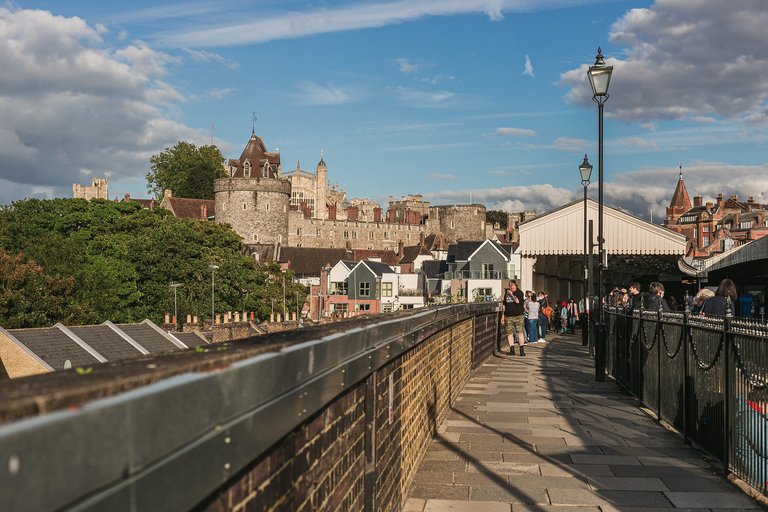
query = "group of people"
{"x": 529, "y": 316}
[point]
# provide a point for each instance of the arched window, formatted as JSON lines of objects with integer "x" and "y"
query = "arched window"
{"x": 247, "y": 169}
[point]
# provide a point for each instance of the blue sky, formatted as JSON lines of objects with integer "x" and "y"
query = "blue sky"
{"x": 440, "y": 98}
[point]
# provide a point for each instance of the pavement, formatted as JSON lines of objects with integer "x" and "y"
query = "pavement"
{"x": 537, "y": 433}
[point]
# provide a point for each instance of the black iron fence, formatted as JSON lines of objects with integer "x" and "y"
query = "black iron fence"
{"x": 706, "y": 376}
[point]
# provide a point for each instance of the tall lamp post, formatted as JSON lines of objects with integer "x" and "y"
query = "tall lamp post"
{"x": 599, "y": 78}
{"x": 585, "y": 170}
{"x": 175, "y": 309}
{"x": 213, "y": 309}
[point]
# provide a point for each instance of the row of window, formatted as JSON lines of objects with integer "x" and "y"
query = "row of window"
{"x": 318, "y": 233}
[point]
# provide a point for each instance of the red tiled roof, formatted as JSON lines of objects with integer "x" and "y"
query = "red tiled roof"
{"x": 387, "y": 257}
{"x": 184, "y": 208}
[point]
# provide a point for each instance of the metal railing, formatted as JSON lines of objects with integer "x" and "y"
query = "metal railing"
{"x": 479, "y": 274}
{"x": 706, "y": 376}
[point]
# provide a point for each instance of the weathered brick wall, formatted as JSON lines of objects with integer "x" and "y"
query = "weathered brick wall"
{"x": 302, "y": 232}
{"x": 321, "y": 466}
{"x": 460, "y": 222}
{"x": 486, "y": 337}
{"x": 318, "y": 466}
{"x": 425, "y": 381}
{"x": 256, "y": 208}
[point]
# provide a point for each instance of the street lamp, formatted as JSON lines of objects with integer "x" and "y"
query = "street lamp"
{"x": 175, "y": 309}
{"x": 213, "y": 313}
{"x": 599, "y": 78}
{"x": 585, "y": 170}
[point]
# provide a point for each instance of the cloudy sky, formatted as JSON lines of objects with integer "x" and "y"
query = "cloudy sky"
{"x": 445, "y": 98}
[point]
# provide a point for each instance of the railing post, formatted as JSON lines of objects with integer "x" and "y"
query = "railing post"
{"x": 686, "y": 337}
{"x": 727, "y": 385}
{"x": 658, "y": 359}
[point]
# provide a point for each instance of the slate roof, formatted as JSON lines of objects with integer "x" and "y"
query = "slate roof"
{"x": 148, "y": 337}
{"x": 105, "y": 341}
{"x": 256, "y": 153}
{"x": 680, "y": 198}
{"x": 190, "y": 339}
{"x": 378, "y": 268}
{"x": 54, "y": 347}
{"x": 184, "y": 208}
{"x": 308, "y": 261}
{"x": 461, "y": 251}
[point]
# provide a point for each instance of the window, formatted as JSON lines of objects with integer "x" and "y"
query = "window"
{"x": 255, "y": 238}
{"x": 245, "y": 206}
{"x": 487, "y": 271}
{"x": 386, "y": 289}
{"x": 705, "y": 241}
{"x": 386, "y": 233}
{"x": 331, "y": 233}
{"x": 745, "y": 225}
{"x": 406, "y": 306}
{"x": 370, "y": 235}
{"x": 386, "y": 307}
{"x": 363, "y": 307}
{"x": 705, "y": 229}
{"x": 365, "y": 289}
{"x": 247, "y": 169}
{"x": 298, "y": 231}
{"x": 354, "y": 234}
{"x": 318, "y": 233}
{"x": 452, "y": 225}
{"x": 267, "y": 207}
{"x": 346, "y": 234}
{"x": 695, "y": 232}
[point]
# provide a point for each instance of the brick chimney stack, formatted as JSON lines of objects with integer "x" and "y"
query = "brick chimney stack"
{"x": 127, "y": 197}
{"x": 421, "y": 239}
{"x": 400, "y": 248}
{"x": 203, "y": 212}
{"x": 696, "y": 200}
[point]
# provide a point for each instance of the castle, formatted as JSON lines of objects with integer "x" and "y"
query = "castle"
{"x": 303, "y": 209}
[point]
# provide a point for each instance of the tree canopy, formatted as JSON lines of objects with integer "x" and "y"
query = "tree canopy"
{"x": 82, "y": 262}
{"x": 186, "y": 170}
{"x": 494, "y": 216}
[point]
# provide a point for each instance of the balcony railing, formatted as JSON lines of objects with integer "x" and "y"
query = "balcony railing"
{"x": 479, "y": 274}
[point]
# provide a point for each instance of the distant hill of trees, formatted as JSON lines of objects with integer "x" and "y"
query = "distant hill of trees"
{"x": 84, "y": 262}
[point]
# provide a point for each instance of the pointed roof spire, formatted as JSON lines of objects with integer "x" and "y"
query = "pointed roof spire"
{"x": 253, "y": 123}
{"x": 680, "y": 198}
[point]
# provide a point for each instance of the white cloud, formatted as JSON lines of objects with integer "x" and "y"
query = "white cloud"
{"x": 354, "y": 16}
{"x": 315, "y": 94}
{"x": 407, "y": 66}
{"x": 440, "y": 177}
{"x": 639, "y": 143}
{"x": 528, "y": 67}
{"x": 684, "y": 59}
{"x": 516, "y": 132}
{"x": 219, "y": 94}
{"x": 651, "y": 127}
{"x": 67, "y": 104}
{"x": 203, "y": 56}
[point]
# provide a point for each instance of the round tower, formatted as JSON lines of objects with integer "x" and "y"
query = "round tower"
{"x": 254, "y": 200}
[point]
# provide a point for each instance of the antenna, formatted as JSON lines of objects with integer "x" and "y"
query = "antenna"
{"x": 681, "y": 169}
{"x": 211, "y": 133}
{"x": 253, "y": 121}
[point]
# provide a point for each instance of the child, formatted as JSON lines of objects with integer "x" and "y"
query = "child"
{"x": 563, "y": 318}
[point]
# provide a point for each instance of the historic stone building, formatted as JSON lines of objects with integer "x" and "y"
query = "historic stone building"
{"x": 303, "y": 209}
{"x": 99, "y": 189}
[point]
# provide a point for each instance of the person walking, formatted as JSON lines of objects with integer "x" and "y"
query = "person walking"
{"x": 563, "y": 317}
{"x": 513, "y": 317}
{"x": 716, "y": 305}
{"x": 532, "y": 322}
{"x": 573, "y": 315}
{"x": 544, "y": 312}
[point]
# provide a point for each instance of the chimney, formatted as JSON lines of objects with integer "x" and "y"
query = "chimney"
{"x": 697, "y": 200}
{"x": 127, "y": 197}
{"x": 400, "y": 248}
{"x": 710, "y": 206}
{"x": 421, "y": 239}
{"x": 377, "y": 214}
{"x": 720, "y": 201}
{"x": 203, "y": 212}
{"x": 332, "y": 212}
{"x": 167, "y": 193}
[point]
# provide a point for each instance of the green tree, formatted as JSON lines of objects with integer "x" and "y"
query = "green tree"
{"x": 494, "y": 216}
{"x": 186, "y": 170}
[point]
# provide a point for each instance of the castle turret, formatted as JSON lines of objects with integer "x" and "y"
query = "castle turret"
{"x": 321, "y": 212}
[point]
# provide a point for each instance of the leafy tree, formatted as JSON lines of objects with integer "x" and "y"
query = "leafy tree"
{"x": 186, "y": 170}
{"x": 494, "y": 216}
{"x": 29, "y": 298}
{"x": 120, "y": 260}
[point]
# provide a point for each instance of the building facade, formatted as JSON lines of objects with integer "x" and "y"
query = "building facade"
{"x": 99, "y": 189}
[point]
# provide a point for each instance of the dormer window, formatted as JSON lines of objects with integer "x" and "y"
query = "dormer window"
{"x": 247, "y": 169}
{"x": 265, "y": 171}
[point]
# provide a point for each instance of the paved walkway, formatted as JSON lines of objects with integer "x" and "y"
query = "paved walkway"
{"x": 537, "y": 433}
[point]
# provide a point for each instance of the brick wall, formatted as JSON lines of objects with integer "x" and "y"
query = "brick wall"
{"x": 321, "y": 466}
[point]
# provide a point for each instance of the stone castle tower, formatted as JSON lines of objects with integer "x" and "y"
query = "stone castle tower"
{"x": 255, "y": 200}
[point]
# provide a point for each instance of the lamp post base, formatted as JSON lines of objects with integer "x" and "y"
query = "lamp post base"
{"x": 600, "y": 346}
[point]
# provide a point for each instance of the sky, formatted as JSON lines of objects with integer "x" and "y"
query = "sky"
{"x": 457, "y": 100}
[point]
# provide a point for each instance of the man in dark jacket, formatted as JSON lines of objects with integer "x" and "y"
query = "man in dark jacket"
{"x": 656, "y": 296}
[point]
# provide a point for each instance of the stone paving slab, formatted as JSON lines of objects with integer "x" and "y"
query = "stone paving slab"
{"x": 537, "y": 433}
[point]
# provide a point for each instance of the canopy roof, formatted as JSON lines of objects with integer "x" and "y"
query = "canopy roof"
{"x": 561, "y": 231}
